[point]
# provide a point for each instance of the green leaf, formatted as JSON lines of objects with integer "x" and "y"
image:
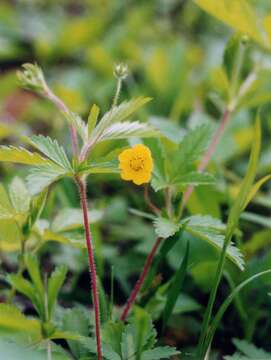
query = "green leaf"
{"x": 76, "y": 320}
{"x": 112, "y": 335}
{"x": 72, "y": 218}
{"x": 13, "y": 351}
{"x": 6, "y": 209}
{"x": 250, "y": 350}
{"x": 238, "y": 14}
{"x": 165, "y": 228}
{"x": 52, "y": 150}
{"x": 21, "y": 156}
{"x": 19, "y": 196}
{"x": 72, "y": 239}
{"x": 92, "y": 118}
{"x": 55, "y": 283}
{"x": 212, "y": 230}
{"x": 41, "y": 177}
{"x": 13, "y": 321}
{"x": 175, "y": 287}
{"x": 190, "y": 149}
{"x": 194, "y": 178}
{"x": 26, "y": 288}
{"x": 125, "y": 130}
{"x": 36, "y": 207}
{"x": 33, "y": 269}
{"x": 10, "y": 235}
{"x": 117, "y": 114}
{"x": 161, "y": 352}
{"x": 143, "y": 327}
{"x": 121, "y": 112}
{"x": 107, "y": 167}
{"x": 128, "y": 347}
{"x": 108, "y": 352}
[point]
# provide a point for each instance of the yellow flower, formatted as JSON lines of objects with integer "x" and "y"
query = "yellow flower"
{"x": 136, "y": 164}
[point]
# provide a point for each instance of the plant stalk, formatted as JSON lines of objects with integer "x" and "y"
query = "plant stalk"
{"x": 141, "y": 280}
{"x": 92, "y": 267}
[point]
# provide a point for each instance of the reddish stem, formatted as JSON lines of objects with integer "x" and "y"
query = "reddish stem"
{"x": 92, "y": 268}
{"x": 141, "y": 280}
{"x": 209, "y": 153}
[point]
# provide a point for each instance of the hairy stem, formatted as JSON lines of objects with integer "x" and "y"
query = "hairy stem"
{"x": 210, "y": 151}
{"x": 140, "y": 281}
{"x": 92, "y": 268}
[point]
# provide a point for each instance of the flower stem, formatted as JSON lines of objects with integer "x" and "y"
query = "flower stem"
{"x": 92, "y": 268}
{"x": 140, "y": 281}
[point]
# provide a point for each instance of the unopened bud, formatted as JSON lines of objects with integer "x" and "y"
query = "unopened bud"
{"x": 121, "y": 71}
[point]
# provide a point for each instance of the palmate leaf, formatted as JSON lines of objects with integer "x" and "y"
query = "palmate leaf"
{"x": 52, "y": 150}
{"x": 124, "y": 130}
{"x": 20, "y": 155}
{"x": 212, "y": 230}
{"x": 43, "y": 176}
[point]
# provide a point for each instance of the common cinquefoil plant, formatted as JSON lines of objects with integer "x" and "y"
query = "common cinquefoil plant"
{"x": 172, "y": 169}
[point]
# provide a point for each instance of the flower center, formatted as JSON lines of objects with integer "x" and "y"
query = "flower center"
{"x": 137, "y": 163}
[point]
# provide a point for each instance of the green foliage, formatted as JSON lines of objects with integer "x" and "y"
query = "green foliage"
{"x": 248, "y": 351}
{"x": 21, "y": 156}
{"x": 176, "y": 167}
{"x": 213, "y": 230}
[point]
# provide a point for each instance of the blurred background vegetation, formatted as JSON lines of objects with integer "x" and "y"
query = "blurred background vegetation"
{"x": 174, "y": 51}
